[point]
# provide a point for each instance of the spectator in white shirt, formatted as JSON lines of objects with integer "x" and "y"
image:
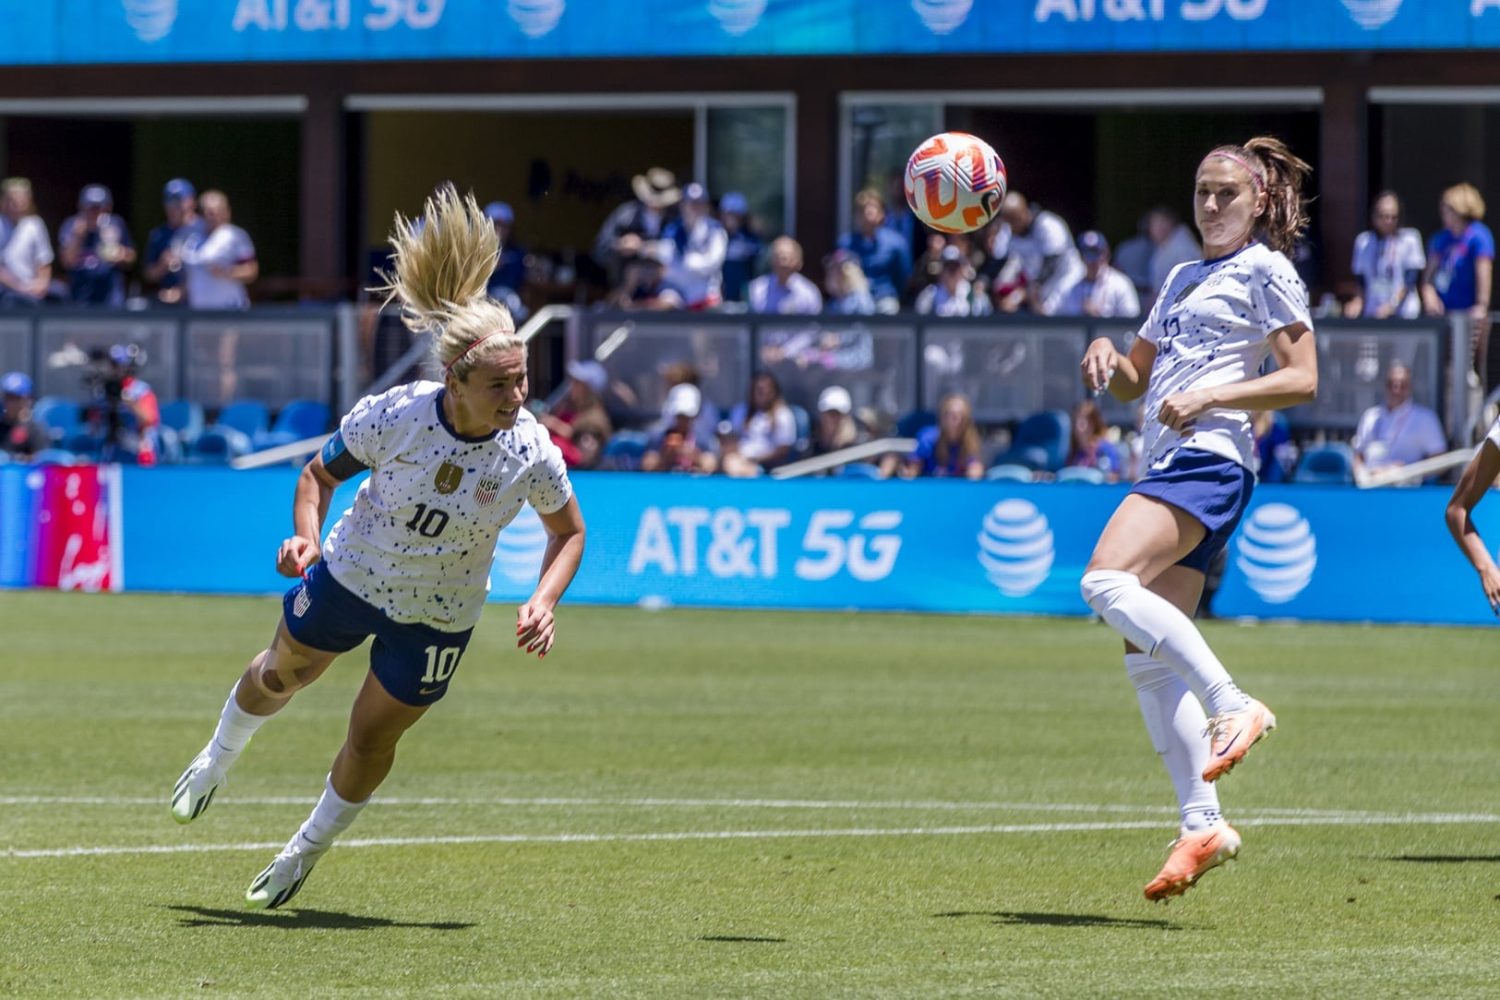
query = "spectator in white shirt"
{"x": 25, "y": 249}
{"x": 765, "y": 429}
{"x": 1173, "y": 244}
{"x": 785, "y": 290}
{"x": 953, "y": 292}
{"x": 1399, "y": 432}
{"x": 1388, "y": 260}
{"x": 700, "y": 242}
{"x": 1042, "y": 246}
{"x": 1103, "y": 291}
{"x": 221, "y": 262}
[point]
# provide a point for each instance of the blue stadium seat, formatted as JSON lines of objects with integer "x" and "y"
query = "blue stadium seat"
{"x": 298, "y": 420}
{"x": 1010, "y": 472}
{"x": 804, "y": 430}
{"x": 860, "y": 470}
{"x": 54, "y": 456}
{"x": 62, "y": 417}
{"x": 912, "y": 423}
{"x": 186, "y": 418}
{"x": 1079, "y": 474}
{"x": 1331, "y": 463}
{"x": 218, "y": 444}
{"x": 624, "y": 450}
{"x": 248, "y": 416}
{"x": 1040, "y": 442}
{"x": 82, "y": 444}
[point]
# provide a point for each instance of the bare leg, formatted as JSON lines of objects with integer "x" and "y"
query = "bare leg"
{"x": 375, "y": 726}
{"x": 278, "y": 672}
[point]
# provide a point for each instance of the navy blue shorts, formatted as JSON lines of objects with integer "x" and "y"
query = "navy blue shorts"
{"x": 412, "y": 662}
{"x": 1214, "y": 489}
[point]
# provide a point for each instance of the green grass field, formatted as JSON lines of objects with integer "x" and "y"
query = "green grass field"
{"x": 697, "y": 804}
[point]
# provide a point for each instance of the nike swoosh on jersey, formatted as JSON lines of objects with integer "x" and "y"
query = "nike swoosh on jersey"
{"x": 428, "y": 690}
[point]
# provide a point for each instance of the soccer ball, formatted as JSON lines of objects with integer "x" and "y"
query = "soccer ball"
{"x": 955, "y": 182}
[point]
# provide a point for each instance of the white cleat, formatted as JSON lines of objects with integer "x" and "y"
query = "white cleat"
{"x": 195, "y": 789}
{"x": 283, "y": 877}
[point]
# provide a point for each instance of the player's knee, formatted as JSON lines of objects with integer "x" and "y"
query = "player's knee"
{"x": 367, "y": 743}
{"x": 1099, "y": 587}
{"x": 275, "y": 684}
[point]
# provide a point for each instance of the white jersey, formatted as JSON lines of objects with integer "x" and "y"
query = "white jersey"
{"x": 227, "y": 246}
{"x": 1048, "y": 258}
{"x": 1211, "y": 326}
{"x": 419, "y": 540}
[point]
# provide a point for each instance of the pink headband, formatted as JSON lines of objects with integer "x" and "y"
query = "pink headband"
{"x": 1260, "y": 182}
{"x": 464, "y": 353}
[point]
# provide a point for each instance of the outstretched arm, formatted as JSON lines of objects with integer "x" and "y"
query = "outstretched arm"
{"x": 1472, "y": 486}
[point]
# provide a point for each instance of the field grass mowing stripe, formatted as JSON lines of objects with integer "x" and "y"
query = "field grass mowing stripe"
{"x": 1427, "y": 819}
{"x": 640, "y": 803}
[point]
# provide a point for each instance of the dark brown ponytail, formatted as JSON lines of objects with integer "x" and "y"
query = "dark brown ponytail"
{"x": 1281, "y": 173}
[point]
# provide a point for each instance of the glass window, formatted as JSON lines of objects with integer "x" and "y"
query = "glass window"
{"x": 747, "y": 152}
{"x": 881, "y": 137}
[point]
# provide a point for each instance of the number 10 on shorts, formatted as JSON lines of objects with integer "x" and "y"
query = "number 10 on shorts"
{"x": 441, "y": 662}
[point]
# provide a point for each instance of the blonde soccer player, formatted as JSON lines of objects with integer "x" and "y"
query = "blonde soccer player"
{"x": 1197, "y": 360}
{"x": 1479, "y": 476}
{"x": 451, "y": 463}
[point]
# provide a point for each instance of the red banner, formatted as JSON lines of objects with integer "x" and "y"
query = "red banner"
{"x": 73, "y": 534}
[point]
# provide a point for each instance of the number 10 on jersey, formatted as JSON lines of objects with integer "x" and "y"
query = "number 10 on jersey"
{"x": 441, "y": 662}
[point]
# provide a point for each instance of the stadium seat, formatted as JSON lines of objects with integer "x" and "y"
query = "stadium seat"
{"x": 62, "y": 417}
{"x": 298, "y": 420}
{"x": 804, "y": 430}
{"x": 1079, "y": 474}
{"x": 911, "y": 425}
{"x": 82, "y": 444}
{"x": 860, "y": 470}
{"x": 1331, "y": 463}
{"x": 185, "y": 417}
{"x": 219, "y": 444}
{"x": 624, "y": 450}
{"x": 54, "y": 456}
{"x": 1040, "y": 442}
{"x": 248, "y": 416}
{"x": 1010, "y": 472}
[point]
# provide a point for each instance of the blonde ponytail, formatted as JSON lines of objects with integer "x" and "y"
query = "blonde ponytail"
{"x": 442, "y": 269}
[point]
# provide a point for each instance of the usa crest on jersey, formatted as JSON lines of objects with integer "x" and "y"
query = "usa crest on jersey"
{"x": 486, "y": 492}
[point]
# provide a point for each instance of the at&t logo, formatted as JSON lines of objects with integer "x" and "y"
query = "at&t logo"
{"x": 536, "y": 18}
{"x": 1372, "y": 14}
{"x": 737, "y": 16}
{"x": 520, "y": 548}
{"x": 942, "y": 17}
{"x": 1016, "y": 547}
{"x": 1278, "y": 552}
{"x": 151, "y": 20}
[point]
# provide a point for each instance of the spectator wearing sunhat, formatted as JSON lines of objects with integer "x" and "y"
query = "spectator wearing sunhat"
{"x": 743, "y": 249}
{"x": 643, "y": 217}
{"x": 162, "y": 266}
{"x": 21, "y": 434}
{"x": 953, "y": 292}
{"x": 698, "y": 242}
{"x": 680, "y": 446}
{"x": 785, "y": 291}
{"x": 95, "y": 249}
{"x": 1103, "y": 290}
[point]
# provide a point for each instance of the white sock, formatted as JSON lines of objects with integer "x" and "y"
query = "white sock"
{"x": 235, "y": 728}
{"x": 1175, "y": 720}
{"x": 1151, "y": 622}
{"x": 330, "y": 817}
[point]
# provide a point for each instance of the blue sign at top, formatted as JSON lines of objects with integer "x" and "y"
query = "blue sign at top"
{"x": 186, "y": 31}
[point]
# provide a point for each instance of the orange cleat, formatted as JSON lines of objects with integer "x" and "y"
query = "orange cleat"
{"x": 1232, "y": 734}
{"x": 1191, "y": 855}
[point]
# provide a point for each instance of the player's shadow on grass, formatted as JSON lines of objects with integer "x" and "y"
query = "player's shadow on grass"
{"x": 741, "y": 939}
{"x": 1446, "y": 859}
{"x": 1064, "y": 920}
{"x": 203, "y": 916}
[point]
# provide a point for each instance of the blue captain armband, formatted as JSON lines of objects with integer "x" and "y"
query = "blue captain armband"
{"x": 336, "y": 459}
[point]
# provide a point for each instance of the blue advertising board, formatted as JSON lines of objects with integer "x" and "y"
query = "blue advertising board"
{"x": 168, "y": 31}
{"x": 1309, "y": 552}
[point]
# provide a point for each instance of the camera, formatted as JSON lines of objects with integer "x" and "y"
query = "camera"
{"x": 108, "y": 369}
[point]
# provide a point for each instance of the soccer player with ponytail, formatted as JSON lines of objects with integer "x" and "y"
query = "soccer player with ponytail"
{"x": 1197, "y": 360}
{"x": 451, "y": 463}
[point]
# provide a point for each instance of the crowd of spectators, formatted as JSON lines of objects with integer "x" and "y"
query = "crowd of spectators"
{"x": 676, "y": 247}
{"x": 201, "y": 260}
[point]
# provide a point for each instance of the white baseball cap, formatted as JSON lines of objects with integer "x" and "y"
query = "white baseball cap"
{"x": 835, "y": 398}
{"x": 683, "y": 400}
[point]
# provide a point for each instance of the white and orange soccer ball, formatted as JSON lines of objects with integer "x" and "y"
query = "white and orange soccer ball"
{"x": 955, "y": 182}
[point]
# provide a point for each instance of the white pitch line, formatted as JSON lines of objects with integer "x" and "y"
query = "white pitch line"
{"x": 651, "y": 803}
{"x": 1428, "y": 819}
